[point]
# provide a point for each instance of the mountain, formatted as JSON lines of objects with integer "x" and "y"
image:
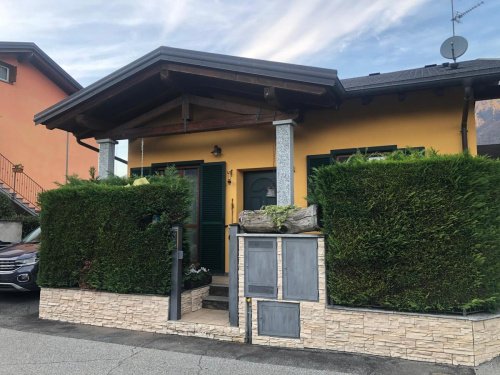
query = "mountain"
{"x": 488, "y": 122}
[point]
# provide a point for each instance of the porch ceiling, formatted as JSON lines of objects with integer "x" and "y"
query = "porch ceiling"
{"x": 125, "y": 104}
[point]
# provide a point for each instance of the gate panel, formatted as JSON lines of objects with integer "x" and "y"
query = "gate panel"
{"x": 300, "y": 269}
{"x": 278, "y": 319}
{"x": 261, "y": 271}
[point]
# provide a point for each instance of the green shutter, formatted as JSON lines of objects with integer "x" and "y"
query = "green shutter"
{"x": 212, "y": 216}
{"x": 315, "y": 161}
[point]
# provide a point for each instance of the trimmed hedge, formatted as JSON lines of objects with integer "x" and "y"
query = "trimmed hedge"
{"x": 110, "y": 237}
{"x": 412, "y": 233}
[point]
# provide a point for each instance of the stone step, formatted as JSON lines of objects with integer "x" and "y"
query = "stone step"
{"x": 219, "y": 290}
{"x": 215, "y": 303}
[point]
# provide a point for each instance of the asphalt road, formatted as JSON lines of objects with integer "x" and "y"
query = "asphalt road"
{"x": 32, "y": 346}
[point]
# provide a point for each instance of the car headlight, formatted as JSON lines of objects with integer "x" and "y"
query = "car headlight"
{"x": 28, "y": 260}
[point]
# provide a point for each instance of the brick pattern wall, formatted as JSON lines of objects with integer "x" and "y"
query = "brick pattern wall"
{"x": 192, "y": 300}
{"x": 126, "y": 311}
{"x": 486, "y": 339}
{"x": 146, "y": 313}
{"x": 441, "y": 339}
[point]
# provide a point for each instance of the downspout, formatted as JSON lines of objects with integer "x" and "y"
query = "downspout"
{"x": 90, "y": 147}
{"x": 465, "y": 117}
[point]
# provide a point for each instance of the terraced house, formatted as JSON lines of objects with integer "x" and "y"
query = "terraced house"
{"x": 249, "y": 132}
{"x": 29, "y": 82}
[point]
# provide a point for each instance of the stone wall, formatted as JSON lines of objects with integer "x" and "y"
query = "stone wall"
{"x": 128, "y": 311}
{"x": 433, "y": 338}
{"x": 11, "y": 230}
{"x": 191, "y": 300}
{"x": 146, "y": 313}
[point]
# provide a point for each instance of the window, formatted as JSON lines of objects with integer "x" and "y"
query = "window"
{"x": 7, "y": 72}
{"x": 4, "y": 73}
{"x": 374, "y": 153}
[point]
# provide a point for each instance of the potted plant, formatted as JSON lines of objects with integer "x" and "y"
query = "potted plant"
{"x": 196, "y": 276}
{"x": 18, "y": 168}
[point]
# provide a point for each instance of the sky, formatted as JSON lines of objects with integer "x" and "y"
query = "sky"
{"x": 92, "y": 38}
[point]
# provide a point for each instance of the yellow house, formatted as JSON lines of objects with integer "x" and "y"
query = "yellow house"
{"x": 248, "y": 132}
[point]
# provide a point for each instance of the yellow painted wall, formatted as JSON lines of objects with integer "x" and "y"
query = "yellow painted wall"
{"x": 423, "y": 119}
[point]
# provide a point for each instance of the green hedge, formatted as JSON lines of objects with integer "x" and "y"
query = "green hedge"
{"x": 412, "y": 233}
{"x": 103, "y": 236}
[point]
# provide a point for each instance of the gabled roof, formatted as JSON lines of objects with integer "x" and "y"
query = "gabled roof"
{"x": 31, "y": 52}
{"x": 233, "y": 64}
{"x": 160, "y": 80}
{"x": 471, "y": 72}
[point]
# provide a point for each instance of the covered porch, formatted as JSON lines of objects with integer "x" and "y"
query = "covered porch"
{"x": 170, "y": 94}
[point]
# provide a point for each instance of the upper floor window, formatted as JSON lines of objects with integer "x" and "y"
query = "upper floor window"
{"x": 7, "y": 72}
{"x": 4, "y": 73}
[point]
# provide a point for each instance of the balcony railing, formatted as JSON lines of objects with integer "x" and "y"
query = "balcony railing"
{"x": 22, "y": 187}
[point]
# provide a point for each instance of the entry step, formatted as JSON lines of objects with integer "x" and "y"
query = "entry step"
{"x": 219, "y": 290}
{"x": 216, "y": 302}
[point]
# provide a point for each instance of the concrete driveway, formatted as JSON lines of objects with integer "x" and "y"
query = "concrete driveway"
{"x": 19, "y": 304}
{"x": 33, "y": 346}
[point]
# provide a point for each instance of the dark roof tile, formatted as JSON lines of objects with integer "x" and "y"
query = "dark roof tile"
{"x": 426, "y": 76}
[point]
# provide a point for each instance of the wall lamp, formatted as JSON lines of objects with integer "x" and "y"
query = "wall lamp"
{"x": 217, "y": 151}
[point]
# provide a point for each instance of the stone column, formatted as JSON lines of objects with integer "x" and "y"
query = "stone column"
{"x": 284, "y": 161}
{"x": 106, "y": 165}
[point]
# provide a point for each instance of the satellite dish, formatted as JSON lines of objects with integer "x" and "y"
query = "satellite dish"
{"x": 454, "y": 47}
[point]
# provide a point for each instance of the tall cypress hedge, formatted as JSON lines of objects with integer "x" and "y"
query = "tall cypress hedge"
{"x": 412, "y": 233}
{"x": 111, "y": 238}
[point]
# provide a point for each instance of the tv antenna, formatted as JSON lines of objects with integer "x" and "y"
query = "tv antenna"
{"x": 456, "y": 46}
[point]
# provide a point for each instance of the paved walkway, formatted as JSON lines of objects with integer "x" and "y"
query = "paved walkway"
{"x": 32, "y": 346}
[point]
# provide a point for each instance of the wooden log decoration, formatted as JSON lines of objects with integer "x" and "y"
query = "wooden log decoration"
{"x": 298, "y": 221}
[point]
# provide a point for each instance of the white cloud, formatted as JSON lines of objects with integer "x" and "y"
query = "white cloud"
{"x": 92, "y": 38}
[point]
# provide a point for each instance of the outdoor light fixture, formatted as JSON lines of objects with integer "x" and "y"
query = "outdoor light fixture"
{"x": 217, "y": 151}
{"x": 271, "y": 191}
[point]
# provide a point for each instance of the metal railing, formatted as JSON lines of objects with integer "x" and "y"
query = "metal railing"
{"x": 22, "y": 187}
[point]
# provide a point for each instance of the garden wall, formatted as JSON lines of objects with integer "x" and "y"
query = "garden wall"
{"x": 419, "y": 234}
{"x": 148, "y": 313}
{"x": 450, "y": 339}
{"x": 111, "y": 238}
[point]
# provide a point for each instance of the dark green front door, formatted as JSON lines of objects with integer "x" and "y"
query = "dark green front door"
{"x": 259, "y": 189}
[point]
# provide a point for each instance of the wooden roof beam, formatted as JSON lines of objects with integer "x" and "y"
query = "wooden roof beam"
{"x": 249, "y": 79}
{"x": 197, "y": 126}
{"x": 108, "y": 94}
{"x": 224, "y": 105}
{"x": 151, "y": 115}
{"x": 90, "y": 122}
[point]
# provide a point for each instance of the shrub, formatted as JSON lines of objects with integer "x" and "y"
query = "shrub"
{"x": 7, "y": 212}
{"x": 412, "y": 233}
{"x": 6, "y": 209}
{"x": 110, "y": 237}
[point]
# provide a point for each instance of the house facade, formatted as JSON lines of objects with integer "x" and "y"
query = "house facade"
{"x": 29, "y": 82}
{"x": 248, "y": 133}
